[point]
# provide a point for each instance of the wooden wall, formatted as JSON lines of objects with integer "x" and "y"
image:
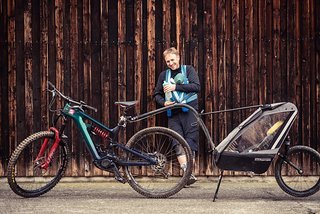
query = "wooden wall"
{"x": 246, "y": 52}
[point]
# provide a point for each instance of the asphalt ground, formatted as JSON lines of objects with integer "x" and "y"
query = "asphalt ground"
{"x": 104, "y": 195}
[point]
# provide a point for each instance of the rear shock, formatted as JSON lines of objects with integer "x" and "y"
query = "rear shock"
{"x": 101, "y": 133}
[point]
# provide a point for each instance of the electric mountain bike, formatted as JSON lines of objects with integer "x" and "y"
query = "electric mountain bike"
{"x": 148, "y": 159}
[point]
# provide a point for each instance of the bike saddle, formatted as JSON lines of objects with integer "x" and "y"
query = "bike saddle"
{"x": 126, "y": 104}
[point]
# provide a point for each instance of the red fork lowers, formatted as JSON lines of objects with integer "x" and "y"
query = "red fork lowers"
{"x": 43, "y": 148}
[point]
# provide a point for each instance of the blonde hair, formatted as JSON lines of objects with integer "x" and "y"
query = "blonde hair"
{"x": 171, "y": 50}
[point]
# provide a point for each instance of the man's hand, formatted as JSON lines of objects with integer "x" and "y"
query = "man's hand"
{"x": 169, "y": 88}
{"x": 167, "y": 103}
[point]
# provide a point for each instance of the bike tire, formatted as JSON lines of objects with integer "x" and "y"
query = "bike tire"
{"x": 293, "y": 182}
{"x": 25, "y": 177}
{"x": 166, "y": 178}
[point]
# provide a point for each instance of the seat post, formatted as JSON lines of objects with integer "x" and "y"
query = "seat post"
{"x": 218, "y": 186}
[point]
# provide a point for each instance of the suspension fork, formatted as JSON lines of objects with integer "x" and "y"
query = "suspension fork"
{"x": 44, "y": 146}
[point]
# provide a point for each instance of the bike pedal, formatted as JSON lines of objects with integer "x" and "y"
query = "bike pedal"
{"x": 121, "y": 179}
{"x": 117, "y": 174}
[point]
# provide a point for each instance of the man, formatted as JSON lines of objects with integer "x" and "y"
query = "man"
{"x": 180, "y": 84}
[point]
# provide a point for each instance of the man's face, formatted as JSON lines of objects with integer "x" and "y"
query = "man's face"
{"x": 172, "y": 61}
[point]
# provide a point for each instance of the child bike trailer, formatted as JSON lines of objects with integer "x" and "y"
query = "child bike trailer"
{"x": 254, "y": 143}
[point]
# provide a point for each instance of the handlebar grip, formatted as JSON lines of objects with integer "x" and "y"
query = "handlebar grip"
{"x": 91, "y": 108}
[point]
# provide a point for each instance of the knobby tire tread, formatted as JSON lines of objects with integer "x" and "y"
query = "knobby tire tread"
{"x": 11, "y": 166}
{"x": 188, "y": 171}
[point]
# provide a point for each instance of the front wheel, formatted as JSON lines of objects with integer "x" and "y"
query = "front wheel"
{"x": 26, "y": 175}
{"x": 298, "y": 172}
{"x": 167, "y": 177}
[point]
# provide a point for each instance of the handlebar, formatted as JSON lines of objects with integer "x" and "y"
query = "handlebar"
{"x": 55, "y": 91}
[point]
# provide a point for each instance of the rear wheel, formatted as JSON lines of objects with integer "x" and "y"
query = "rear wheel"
{"x": 26, "y": 175}
{"x": 165, "y": 178}
{"x": 298, "y": 172}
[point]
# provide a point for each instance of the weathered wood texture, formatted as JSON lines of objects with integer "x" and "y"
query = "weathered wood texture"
{"x": 246, "y": 52}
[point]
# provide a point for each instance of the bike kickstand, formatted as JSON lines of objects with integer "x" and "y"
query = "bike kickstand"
{"x": 218, "y": 186}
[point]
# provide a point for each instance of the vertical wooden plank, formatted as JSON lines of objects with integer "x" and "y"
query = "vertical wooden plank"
{"x": 228, "y": 69}
{"x": 20, "y": 77}
{"x": 276, "y": 56}
{"x": 185, "y": 22}
{"x": 317, "y": 69}
{"x": 151, "y": 59}
{"x": 228, "y": 65}
{"x": 268, "y": 48}
{"x": 113, "y": 59}
{"x": 144, "y": 71}
{"x": 207, "y": 93}
{"x": 215, "y": 80}
{"x": 2, "y": 79}
{"x": 78, "y": 149}
{"x": 105, "y": 73}
{"x": 20, "y": 66}
{"x": 122, "y": 65}
{"x": 276, "y": 75}
{"x": 221, "y": 99}
{"x": 236, "y": 64}
{"x": 130, "y": 63}
{"x": 142, "y": 32}
{"x": 160, "y": 36}
{"x": 291, "y": 62}
{"x": 138, "y": 54}
{"x": 199, "y": 57}
{"x": 173, "y": 24}
{"x": 255, "y": 53}
{"x": 313, "y": 76}
{"x": 305, "y": 72}
{"x": 198, "y": 62}
{"x": 263, "y": 54}
{"x": 297, "y": 77}
{"x": 56, "y": 36}
{"x": 12, "y": 76}
{"x": 28, "y": 87}
{"x": 95, "y": 64}
{"x": 297, "y": 74}
{"x": 36, "y": 75}
{"x": 166, "y": 28}
{"x": 88, "y": 168}
{"x": 283, "y": 50}
{"x": 249, "y": 52}
{"x": 104, "y": 62}
{"x": 68, "y": 79}
{"x": 194, "y": 34}
{"x": 66, "y": 45}
{"x": 43, "y": 62}
{"x": 242, "y": 92}
{"x": 52, "y": 44}
{"x": 138, "y": 58}
{"x": 4, "y": 87}
{"x": 178, "y": 28}
{"x": 59, "y": 47}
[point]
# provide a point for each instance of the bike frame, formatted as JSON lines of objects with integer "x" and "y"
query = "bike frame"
{"x": 175, "y": 106}
{"x": 79, "y": 117}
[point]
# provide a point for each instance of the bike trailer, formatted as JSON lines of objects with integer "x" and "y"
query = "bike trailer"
{"x": 254, "y": 143}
